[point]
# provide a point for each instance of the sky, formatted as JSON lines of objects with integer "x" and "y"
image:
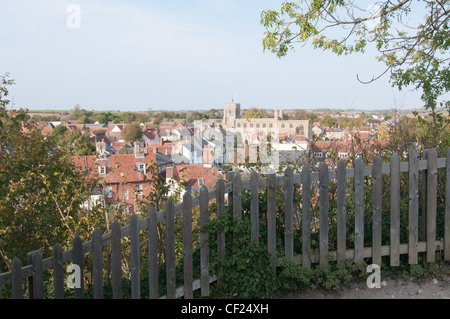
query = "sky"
{"x": 173, "y": 55}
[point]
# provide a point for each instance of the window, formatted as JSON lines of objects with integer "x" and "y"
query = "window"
{"x": 141, "y": 168}
{"x": 251, "y": 125}
{"x": 139, "y": 189}
{"x": 107, "y": 191}
{"x": 282, "y": 125}
{"x": 291, "y": 126}
{"x": 125, "y": 194}
{"x": 102, "y": 170}
{"x": 270, "y": 125}
{"x": 245, "y": 125}
{"x": 318, "y": 154}
{"x": 343, "y": 155}
{"x": 201, "y": 182}
{"x": 239, "y": 125}
{"x": 264, "y": 125}
{"x": 257, "y": 125}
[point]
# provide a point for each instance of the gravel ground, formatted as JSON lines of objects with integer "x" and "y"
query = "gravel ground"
{"x": 435, "y": 287}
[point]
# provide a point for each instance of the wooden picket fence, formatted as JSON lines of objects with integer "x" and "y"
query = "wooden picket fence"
{"x": 230, "y": 193}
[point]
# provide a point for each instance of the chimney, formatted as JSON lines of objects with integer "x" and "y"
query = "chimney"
{"x": 139, "y": 149}
{"x": 169, "y": 172}
{"x": 101, "y": 148}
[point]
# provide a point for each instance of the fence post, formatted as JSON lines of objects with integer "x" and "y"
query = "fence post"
{"x": 187, "y": 246}
{"x": 306, "y": 216}
{"x": 135, "y": 258}
{"x": 16, "y": 279}
{"x": 170, "y": 251}
{"x": 58, "y": 274}
{"x": 97, "y": 263}
{"x": 359, "y": 209}
{"x": 116, "y": 259}
{"x": 204, "y": 236}
{"x": 38, "y": 279}
{"x": 220, "y": 202}
{"x": 395, "y": 210}
{"x": 271, "y": 219}
{"x": 153, "y": 253}
{"x": 323, "y": 222}
{"x": 289, "y": 213}
{"x": 78, "y": 260}
{"x": 377, "y": 210}
{"x": 431, "y": 204}
{"x": 254, "y": 206}
{"x": 423, "y": 213}
{"x": 413, "y": 223}
{"x": 342, "y": 203}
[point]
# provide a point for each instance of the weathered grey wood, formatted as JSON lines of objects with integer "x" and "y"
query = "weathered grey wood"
{"x": 395, "y": 211}
{"x": 306, "y": 216}
{"x": 116, "y": 260}
{"x": 187, "y": 246}
{"x": 152, "y": 227}
{"x": 424, "y": 193}
{"x": 170, "y": 251}
{"x": 413, "y": 218}
{"x": 135, "y": 258}
{"x": 78, "y": 260}
{"x": 58, "y": 272}
{"x": 16, "y": 281}
{"x": 254, "y": 206}
{"x": 359, "y": 209}
{"x": 271, "y": 219}
{"x": 342, "y": 204}
{"x": 237, "y": 196}
{"x": 323, "y": 222}
{"x": 220, "y": 202}
{"x": 289, "y": 214}
{"x": 431, "y": 205}
{"x": 97, "y": 263}
{"x": 230, "y": 179}
{"x": 204, "y": 236}
{"x": 377, "y": 210}
{"x": 447, "y": 209}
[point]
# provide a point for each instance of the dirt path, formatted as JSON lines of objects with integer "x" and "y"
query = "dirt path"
{"x": 437, "y": 287}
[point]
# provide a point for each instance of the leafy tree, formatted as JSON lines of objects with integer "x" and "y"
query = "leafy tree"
{"x": 132, "y": 132}
{"x": 40, "y": 191}
{"x": 415, "y": 55}
{"x": 254, "y": 113}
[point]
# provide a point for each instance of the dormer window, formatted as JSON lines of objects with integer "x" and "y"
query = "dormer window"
{"x": 201, "y": 182}
{"x": 102, "y": 170}
{"x": 141, "y": 167}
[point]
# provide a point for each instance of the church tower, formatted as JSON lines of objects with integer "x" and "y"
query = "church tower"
{"x": 231, "y": 112}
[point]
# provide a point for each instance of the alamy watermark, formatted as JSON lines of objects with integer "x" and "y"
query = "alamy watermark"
{"x": 74, "y": 19}
{"x": 374, "y": 280}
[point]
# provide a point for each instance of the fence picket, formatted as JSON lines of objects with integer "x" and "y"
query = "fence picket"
{"x": 220, "y": 202}
{"x": 78, "y": 260}
{"x": 116, "y": 260}
{"x": 97, "y": 263}
{"x": 323, "y": 222}
{"x": 271, "y": 218}
{"x": 306, "y": 216}
{"x": 135, "y": 258}
{"x": 152, "y": 228}
{"x": 447, "y": 209}
{"x": 58, "y": 273}
{"x": 289, "y": 214}
{"x": 187, "y": 246}
{"x": 377, "y": 210}
{"x": 16, "y": 279}
{"x": 431, "y": 204}
{"x": 170, "y": 250}
{"x": 237, "y": 196}
{"x": 204, "y": 236}
{"x": 395, "y": 211}
{"x": 254, "y": 206}
{"x": 413, "y": 219}
{"x": 359, "y": 210}
{"x": 342, "y": 203}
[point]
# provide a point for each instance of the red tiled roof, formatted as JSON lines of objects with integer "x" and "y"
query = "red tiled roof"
{"x": 194, "y": 172}
{"x": 119, "y": 167}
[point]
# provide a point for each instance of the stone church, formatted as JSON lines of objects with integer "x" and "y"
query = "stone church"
{"x": 287, "y": 130}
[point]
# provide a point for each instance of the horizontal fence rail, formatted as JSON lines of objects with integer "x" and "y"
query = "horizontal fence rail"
{"x": 312, "y": 185}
